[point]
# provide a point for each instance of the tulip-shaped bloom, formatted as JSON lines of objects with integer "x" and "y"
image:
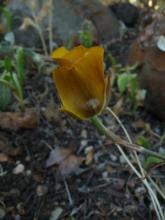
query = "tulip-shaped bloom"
{"x": 80, "y": 80}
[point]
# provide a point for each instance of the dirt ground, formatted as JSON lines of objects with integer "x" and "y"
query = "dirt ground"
{"x": 105, "y": 189}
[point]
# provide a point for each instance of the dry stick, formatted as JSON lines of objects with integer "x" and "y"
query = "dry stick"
{"x": 68, "y": 192}
{"x": 117, "y": 140}
{"x": 40, "y": 32}
{"x": 141, "y": 168}
{"x": 152, "y": 194}
{"x": 136, "y": 156}
{"x": 103, "y": 130}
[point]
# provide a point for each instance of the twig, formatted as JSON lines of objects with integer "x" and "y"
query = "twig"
{"x": 100, "y": 126}
{"x": 68, "y": 192}
{"x": 154, "y": 199}
{"x": 117, "y": 140}
{"x": 145, "y": 175}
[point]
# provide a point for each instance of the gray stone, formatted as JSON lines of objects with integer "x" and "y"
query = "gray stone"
{"x": 68, "y": 16}
{"x": 106, "y": 23}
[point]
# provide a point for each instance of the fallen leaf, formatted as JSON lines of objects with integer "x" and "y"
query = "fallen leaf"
{"x": 57, "y": 156}
{"x": 67, "y": 162}
{"x": 17, "y": 120}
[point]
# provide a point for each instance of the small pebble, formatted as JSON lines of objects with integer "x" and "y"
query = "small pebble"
{"x": 19, "y": 169}
{"x": 84, "y": 143}
{"x": 41, "y": 190}
{"x": 113, "y": 157}
{"x": 28, "y": 173}
{"x": 84, "y": 134}
{"x": 21, "y": 209}
{"x": 105, "y": 174}
{"x": 122, "y": 159}
{"x": 140, "y": 191}
{"x": 43, "y": 109}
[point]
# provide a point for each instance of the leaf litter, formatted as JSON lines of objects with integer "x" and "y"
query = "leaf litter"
{"x": 66, "y": 161}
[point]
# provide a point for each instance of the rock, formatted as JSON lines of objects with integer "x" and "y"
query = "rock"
{"x": 106, "y": 24}
{"x": 84, "y": 133}
{"x": 126, "y": 12}
{"x": 122, "y": 159}
{"x": 140, "y": 192}
{"x": 154, "y": 82}
{"x": 146, "y": 51}
{"x": 22, "y": 37}
{"x": 68, "y": 17}
{"x": 19, "y": 169}
{"x": 41, "y": 190}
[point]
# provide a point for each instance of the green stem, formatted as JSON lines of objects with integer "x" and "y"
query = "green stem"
{"x": 117, "y": 140}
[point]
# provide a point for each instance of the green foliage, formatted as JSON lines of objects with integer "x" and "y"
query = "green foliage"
{"x": 123, "y": 80}
{"x": 5, "y": 93}
{"x": 86, "y": 36}
{"x": 112, "y": 61}
{"x": 86, "y": 39}
{"x": 8, "y": 17}
{"x": 160, "y": 5}
{"x": 20, "y": 66}
{"x": 142, "y": 141}
{"x": 151, "y": 160}
{"x": 127, "y": 82}
{"x": 12, "y": 79}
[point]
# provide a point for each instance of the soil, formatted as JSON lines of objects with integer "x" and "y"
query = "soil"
{"x": 105, "y": 189}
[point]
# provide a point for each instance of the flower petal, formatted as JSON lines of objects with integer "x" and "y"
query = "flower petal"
{"x": 59, "y": 53}
{"x": 64, "y": 57}
{"x": 76, "y": 95}
{"x": 91, "y": 71}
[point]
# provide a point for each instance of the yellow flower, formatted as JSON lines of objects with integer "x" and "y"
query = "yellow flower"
{"x": 80, "y": 80}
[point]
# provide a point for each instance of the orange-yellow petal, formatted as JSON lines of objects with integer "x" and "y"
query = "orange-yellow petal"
{"x": 63, "y": 57}
{"x": 59, "y": 53}
{"x": 90, "y": 69}
{"x": 76, "y": 95}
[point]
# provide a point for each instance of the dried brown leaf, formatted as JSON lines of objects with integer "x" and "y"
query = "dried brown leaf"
{"x": 66, "y": 161}
{"x": 17, "y": 120}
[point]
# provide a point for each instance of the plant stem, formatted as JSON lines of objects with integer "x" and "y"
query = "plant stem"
{"x": 134, "y": 155}
{"x": 40, "y": 32}
{"x": 117, "y": 140}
